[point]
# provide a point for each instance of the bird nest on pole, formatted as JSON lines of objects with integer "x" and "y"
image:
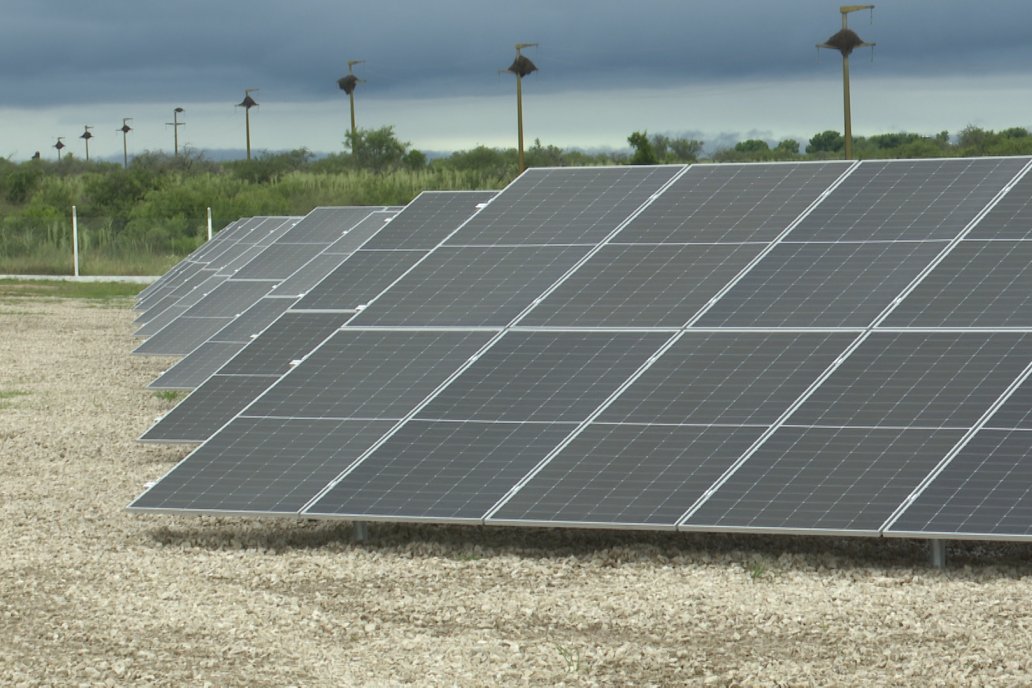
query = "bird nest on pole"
{"x": 348, "y": 83}
{"x": 248, "y": 102}
{"x": 522, "y": 66}
{"x": 845, "y": 41}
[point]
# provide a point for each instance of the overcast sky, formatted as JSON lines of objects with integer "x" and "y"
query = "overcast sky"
{"x": 718, "y": 70}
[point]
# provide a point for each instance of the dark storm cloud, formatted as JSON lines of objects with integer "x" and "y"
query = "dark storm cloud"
{"x": 63, "y": 51}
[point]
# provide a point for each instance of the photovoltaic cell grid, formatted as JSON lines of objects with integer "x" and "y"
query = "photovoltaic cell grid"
{"x": 294, "y": 246}
{"x": 325, "y": 225}
{"x": 199, "y": 322}
{"x": 244, "y": 377}
{"x": 255, "y": 319}
{"x": 429, "y": 219}
{"x": 563, "y": 206}
{"x": 222, "y": 262}
{"x": 731, "y": 203}
{"x": 295, "y": 334}
{"x": 396, "y": 248}
{"x": 207, "y": 358}
{"x": 199, "y": 258}
{"x": 207, "y": 408}
{"x": 471, "y": 286}
{"x": 194, "y": 368}
{"x": 737, "y": 422}
{"x": 262, "y": 467}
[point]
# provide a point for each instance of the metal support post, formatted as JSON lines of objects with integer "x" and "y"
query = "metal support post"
{"x": 937, "y": 553}
{"x": 361, "y": 531}
{"x": 75, "y": 241}
{"x": 209, "y": 224}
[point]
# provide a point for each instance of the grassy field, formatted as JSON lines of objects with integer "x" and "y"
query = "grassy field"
{"x": 66, "y": 289}
{"x": 48, "y": 259}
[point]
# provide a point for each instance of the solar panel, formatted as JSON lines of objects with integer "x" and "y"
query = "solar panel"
{"x": 244, "y": 377}
{"x": 252, "y": 321}
{"x": 193, "y": 370}
{"x": 356, "y": 281}
{"x": 310, "y": 275}
{"x": 263, "y": 268}
{"x": 230, "y": 299}
{"x": 198, "y": 323}
{"x": 471, "y": 286}
{"x": 324, "y": 225}
{"x": 263, "y": 466}
{"x": 924, "y": 379}
{"x": 544, "y": 376}
{"x": 897, "y": 200}
{"x": 440, "y": 471}
{"x": 167, "y": 298}
{"x": 155, "y": 325}
{"x": 208, "y": 408}
{"x": 279, "y": 261}
{"x": 182, "y": 337}
{"x": 369, "y": 374}
{"x": 642, "y": 285}
{"x": 431, "y": 217}
{"x": 1016, "y": 411}
{"x": 159, "y": 290}
{"x": 985, "y": 491}
{"x": 732, "y": 203}
{"x": 979, "y": 284}
{"x": 627, "y": 474}
{"x": 821, "y": 285}
{"x": 728, "y": 378}
{"x": 289, "y": 339}
{"x": 563, "y": 206}
{"x": 1011, "y": 218}
{"x": 270, "y": 233}
{"x": 830, "y": 479}
{"x": 720, "y": 347}
{"x": 245, "y": 257}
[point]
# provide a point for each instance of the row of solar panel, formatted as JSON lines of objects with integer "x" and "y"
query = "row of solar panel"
{"x": 473, "y": 427}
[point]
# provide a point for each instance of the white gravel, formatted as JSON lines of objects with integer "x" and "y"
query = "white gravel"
{"x": 91, "y": 595}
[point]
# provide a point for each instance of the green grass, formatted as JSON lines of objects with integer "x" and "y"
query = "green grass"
{"x": 49, "y": 260}
{"x": 167, "y": 394}
{"x": 8, "y": 394}
{"x": 60, "y": 289}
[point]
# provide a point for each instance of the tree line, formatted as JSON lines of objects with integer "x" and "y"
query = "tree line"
{"x": 150, "y": 214}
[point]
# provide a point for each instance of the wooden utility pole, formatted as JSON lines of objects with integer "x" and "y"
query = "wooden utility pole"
{"x": 175, "y": 124}
{"x": 247, "y": 103}
{"x": 347, "y": 83}
{"x": 125, "y": 129}
{"x": 845, "y": 41}
{"x": 521, "y": 67}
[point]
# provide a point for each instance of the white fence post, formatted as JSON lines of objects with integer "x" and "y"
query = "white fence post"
{"x": 75, "y": 241}
{"x": 209, "y": 224}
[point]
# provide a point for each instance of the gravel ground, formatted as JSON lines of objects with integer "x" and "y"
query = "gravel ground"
{"x": 90, "y": 595}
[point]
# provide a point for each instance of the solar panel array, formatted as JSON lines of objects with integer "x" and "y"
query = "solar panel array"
{"x": 202, "y": 271}
{"x": 837, "y": 348}
{"x": 254, "y": 274}
{"x": 208, "y": 357}
{"x": 326, "y": 305}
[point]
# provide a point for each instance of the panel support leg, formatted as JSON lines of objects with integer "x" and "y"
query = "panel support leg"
{"x": 937, "y": 553}
{"x": 361, "y": 531}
